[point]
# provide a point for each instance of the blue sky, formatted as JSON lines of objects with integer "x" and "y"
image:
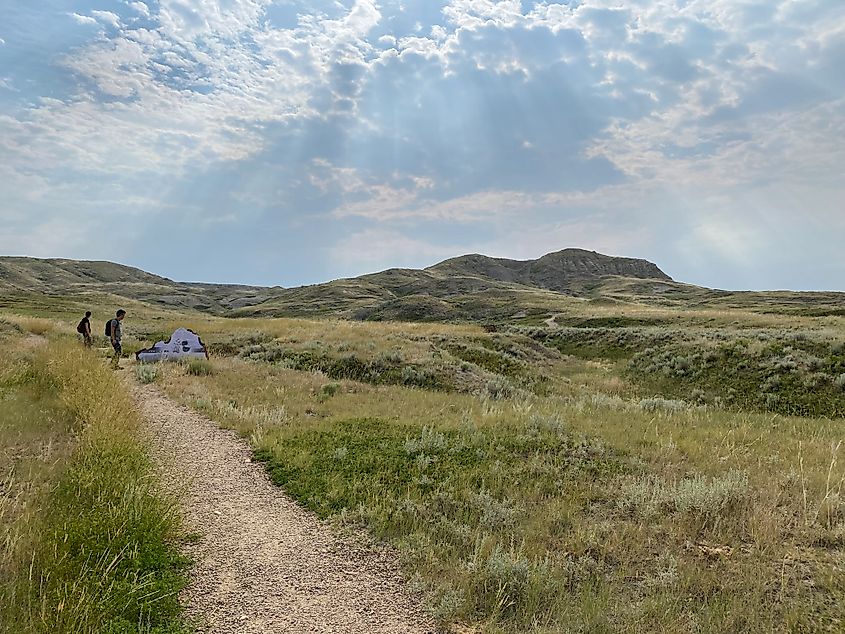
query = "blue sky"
{"x": 293, "y": 141}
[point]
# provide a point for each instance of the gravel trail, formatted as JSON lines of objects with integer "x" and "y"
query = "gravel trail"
{"x": 263, "y": 564}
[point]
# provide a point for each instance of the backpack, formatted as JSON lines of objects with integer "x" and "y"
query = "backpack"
{"x": 108, "y": 328}
{"x": 80, "y": 328}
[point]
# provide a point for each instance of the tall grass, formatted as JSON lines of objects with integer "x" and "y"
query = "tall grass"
{"x": 95, "y": 551}
{"x": 558, "y": 514}
{"x": 35, "y": 325}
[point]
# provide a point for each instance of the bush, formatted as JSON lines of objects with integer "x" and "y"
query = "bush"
{"x": 329, "y": 390}
{"x": 773, "y": 370}
{"x": 699, "y": 496}
{"x": 199, "y": 367}
{"x": 146, "y": 373}
{"x": 508, "y": 586}
{"x": 428, "y": 441}
{"x": 386, "y": 369}
{"x": 499, "y": 388}
{"x": 662, "y": 405}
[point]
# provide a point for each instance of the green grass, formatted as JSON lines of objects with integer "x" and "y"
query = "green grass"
{"x": 619, "y": 497}
{"x": 787, "y": 373}
{"x": 454, "y": 499}
{"x": 549, "y": 514}
{"x": 198, "y": 367}
{"x": 90, "y": 542}
{"x": 146, "y": 373}
{"x": 383, "y": 370}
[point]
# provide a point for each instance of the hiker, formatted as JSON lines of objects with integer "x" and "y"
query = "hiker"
{"x": 84, "y": 329}
{"x": 115, "y": 333}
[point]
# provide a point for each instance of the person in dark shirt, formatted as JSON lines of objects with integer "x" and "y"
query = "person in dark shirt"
{"x": 116, "y": 333}
{"x": 84, "y": 329}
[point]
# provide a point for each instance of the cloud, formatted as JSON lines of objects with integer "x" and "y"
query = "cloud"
{"x": 141, "y": 8}
{"x": 82, "y": 19}
{"x": 449, "y": 124}
{"x": 107, "y": 17}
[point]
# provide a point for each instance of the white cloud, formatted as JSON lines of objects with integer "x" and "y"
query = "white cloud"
{"x": 141, "y": 8}
{"x": 386, "y": 203}
{"x": 363, "y": 17}
{"x": 107, "y": 17}
{"x": 82, "y": 19}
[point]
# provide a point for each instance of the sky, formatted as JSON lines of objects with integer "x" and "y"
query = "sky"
{"x": 285, "y": 142}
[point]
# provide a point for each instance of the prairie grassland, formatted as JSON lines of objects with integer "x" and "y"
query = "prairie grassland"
{"x": 580, "y": 501}
{"x": 40, "y": 326}
{"x": 88, "y": 542}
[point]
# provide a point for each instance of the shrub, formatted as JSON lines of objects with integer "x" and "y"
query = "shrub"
{"x": 329, "y": 390}
{"x": 392, "y": 357}
{"x": 662, "y": 405}
{"x": 839, "y": 382}
{"x": 747, "y": 370}
{"x": 428, "y": 441}
{"x": 698, "y": 396}
{"x": 146, "y": 373}
{"x": 499, "y": 388}
{"x": 699, "y": 496}
{"x": 509, "y": 586}
{"x": 495, "y": 514}
{"x": 199, "y": 367}
{"x": 447, "y": 605}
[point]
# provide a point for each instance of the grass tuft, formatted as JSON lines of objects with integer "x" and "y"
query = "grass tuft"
{"x": 198, "y": 367}
{"x": 146, "y": 373}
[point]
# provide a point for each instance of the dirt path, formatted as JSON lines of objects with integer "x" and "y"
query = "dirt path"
{"x": 264, "y": 564}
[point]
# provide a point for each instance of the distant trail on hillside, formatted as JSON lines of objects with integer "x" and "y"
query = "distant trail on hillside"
{"x": 264, "y": 564}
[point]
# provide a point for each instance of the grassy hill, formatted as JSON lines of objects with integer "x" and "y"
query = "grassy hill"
{"x": 567, "y": 271}
{"x": 470, "y": 288}
{"x": 22, "y": 280}
{"x": 467, "y": 288}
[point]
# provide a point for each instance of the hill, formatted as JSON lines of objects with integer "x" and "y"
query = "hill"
{"x": 470, "y": 288}
{"x": 567, "y": 271}
{"x": 467, "y": 288}
{"x": 21, "y": 276}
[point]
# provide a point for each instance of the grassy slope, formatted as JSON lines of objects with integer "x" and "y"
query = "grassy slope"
{"x": 579, "y": 507}
{"x": 571, "y": 510}
{"x": 88, "y": 541}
